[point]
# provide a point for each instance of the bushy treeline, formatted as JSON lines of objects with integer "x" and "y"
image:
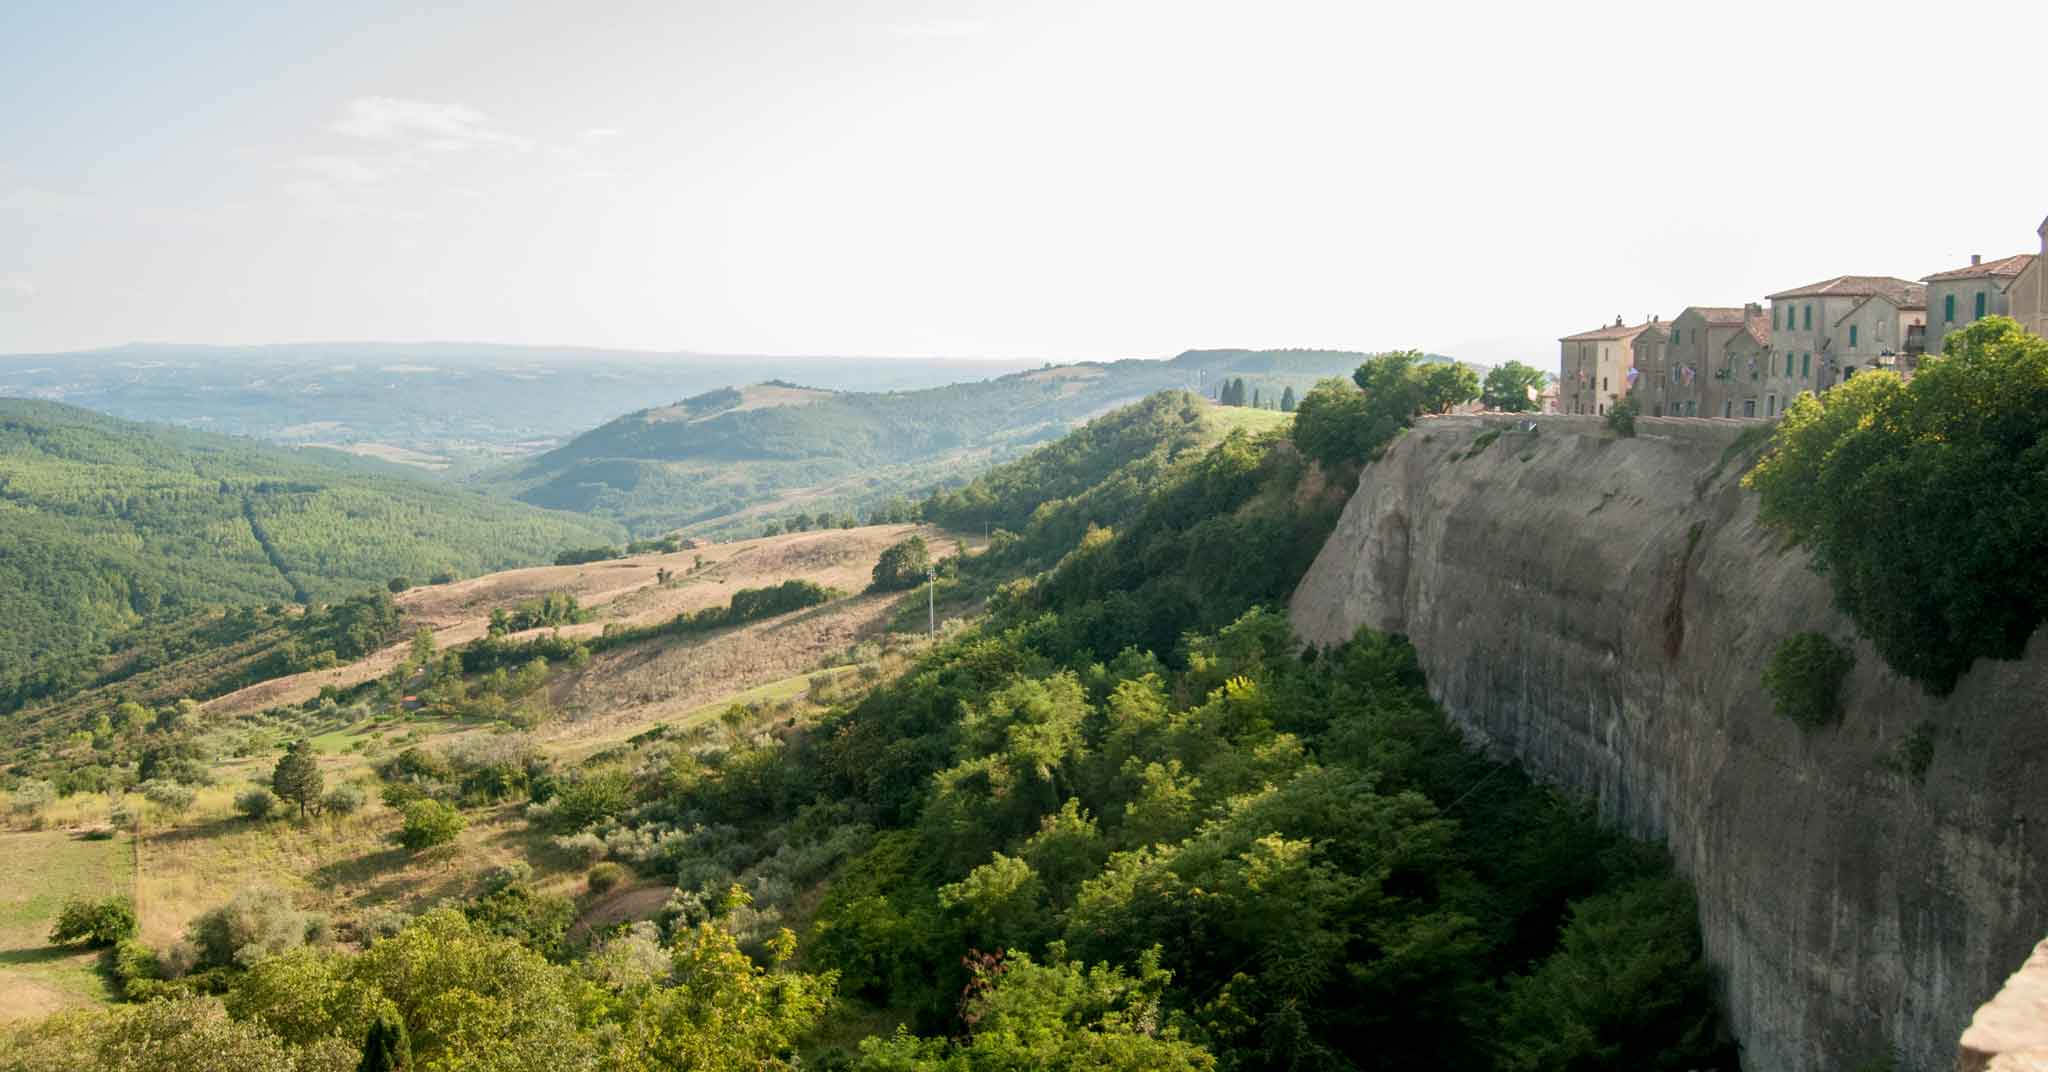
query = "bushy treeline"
{"x": 746, "y": 605}
{"x": 1924, "y": 502}
{"x": 108, "y": 524}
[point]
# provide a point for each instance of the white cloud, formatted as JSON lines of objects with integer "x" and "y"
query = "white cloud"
{"x": 601, "y": 133}
{"x": 943, "y": 28}
{"x": 18, "y": 286}
{"x": 341, "y": 169}
{"x": 433, "y": 126}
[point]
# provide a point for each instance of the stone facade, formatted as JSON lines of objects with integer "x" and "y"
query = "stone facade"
{"x": 1690, "y": 354}
{"x": 1962, "y": 296}
{"x": 1739, "y": 380}
{"x": 1593, "y": 367}
{"x": 1873, "y": 336}
{"x": 2027, "y": 295}
{"x": 1809, "y": 333}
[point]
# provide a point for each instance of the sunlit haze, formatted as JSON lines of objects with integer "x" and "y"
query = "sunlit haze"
{"x": 1056, "y": 180}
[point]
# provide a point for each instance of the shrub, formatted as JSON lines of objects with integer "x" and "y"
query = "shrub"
{"x": 429, "y": 823}
{"x": 345, "y": 799}
{"x": 170, "y": 796}
{"x": 1622, "y": 417}
{"x": 398, "y": 584}
{"x": 902, "y": 566}
{"x": 256, "y": 802}
{"x": 1913, "y": 755}
{"x": 259, "y": 922}
{"x": 605, "y": 876}
{"x": 95, "y": 923}
{"x": 135, "y": 966}
{"x": 1805, "y": 676}
{"x": 586, "y": 847}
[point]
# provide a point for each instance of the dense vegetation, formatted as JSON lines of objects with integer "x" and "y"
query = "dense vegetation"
{"x": 106, "y": 524}
{"x": 1125, "y": 822}
{"x": 1924, "y": 502}
{"x": 1341, "y": 425}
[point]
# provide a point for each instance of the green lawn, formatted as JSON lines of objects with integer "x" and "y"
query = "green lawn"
{"x": 45, "y": 868}
{"x": 1227, "y": 419}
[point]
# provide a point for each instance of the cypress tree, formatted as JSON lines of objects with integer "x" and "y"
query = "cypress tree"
{"x": 1287, "y": 400}
{"x": 386, "y": 1049}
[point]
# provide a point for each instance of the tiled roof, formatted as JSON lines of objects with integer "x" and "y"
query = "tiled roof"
{"x": 1852, "y": 286}
{"x": 1999, "y": 269}
{"x": 1758, "y": 331}
{"x": 1716, "y": 315}
{"x": 1611, "y": 331}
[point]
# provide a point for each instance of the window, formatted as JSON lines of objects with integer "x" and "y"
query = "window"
{"x": 1774, "y": 318}
{"x": 1980, "y": 304}
{"x": 1771, "y": 406}
{"x": 1728, "y": 409}
{"x": 1788, "y": 364}
{"x": 1805, "y": 365}
{"x": 1852, "y": 336}
{"x": 1676, "y": 334}
{"x": 1603, "y": 383}
{"x": 1948, "y": 309}
{"x": 1749, "y": 407}
{"x": 1808, "y": 325}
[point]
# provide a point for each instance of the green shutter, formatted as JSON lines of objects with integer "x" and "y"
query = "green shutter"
{"x": 1852, "y": 336}
{"x": 1805, "y": 365}
{"x": 1948, "y": 309}
{"x": 1980, "y": 305}
{"x": 1808, "y": 325}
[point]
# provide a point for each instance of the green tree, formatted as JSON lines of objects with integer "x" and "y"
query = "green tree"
{"x": 398, "y": 584}
{"x": 386, "y": 1048}
{"x": 297, "y": 778}
{"x": 96, "y": 923}
{"x": 1446, "y": 385}
{"x": 902, "y": 566}
{"x": 1923, "y": 502}
{"x": 1287, "y": 399}
{"x": 1508, "y": 387}
{"x": 429, "y": 823}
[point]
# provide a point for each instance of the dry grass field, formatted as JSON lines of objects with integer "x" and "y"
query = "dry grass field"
{"x": 42, "y": 869}
{"x": 178, "y": 866}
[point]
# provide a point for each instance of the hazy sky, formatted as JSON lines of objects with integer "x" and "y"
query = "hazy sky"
{"x": 1041, "y": 179}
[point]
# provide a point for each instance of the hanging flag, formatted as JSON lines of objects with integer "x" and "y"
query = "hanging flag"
{"x": 1631, "y": 377}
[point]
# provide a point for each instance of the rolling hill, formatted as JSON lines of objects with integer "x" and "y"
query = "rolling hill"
{"x": 701, "y": 461}
{"x": 106, "y": 523}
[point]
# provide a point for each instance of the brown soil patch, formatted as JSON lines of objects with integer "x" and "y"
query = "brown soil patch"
{"x": 620, "y": 906}
{"x": 621, "y": 590}
{"x": 26, "y": 999}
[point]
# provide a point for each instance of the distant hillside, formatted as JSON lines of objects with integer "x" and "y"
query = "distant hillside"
{"x": 105, "y": 523}
{"x": 449, "y": 404}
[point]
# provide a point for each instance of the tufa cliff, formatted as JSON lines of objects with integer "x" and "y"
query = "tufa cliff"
{"x": 1601, "y": 609}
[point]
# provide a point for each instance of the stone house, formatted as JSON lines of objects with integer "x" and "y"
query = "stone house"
{"x": 1690, "y": 356}
{"x": 1739, "y": 380}
{"x": 1962, "y": 296}
{"x": 1806, "y": 349}
{"x": 1594, "y": 366}
{"x": 2027, "y": 294}
{"x": 1646, "y": 360}
{"x": 1875, "y": 334}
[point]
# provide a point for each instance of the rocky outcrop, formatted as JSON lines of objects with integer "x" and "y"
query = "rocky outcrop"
{"x": 2010, "y": 1033}
{"x": 1600, "y": 609}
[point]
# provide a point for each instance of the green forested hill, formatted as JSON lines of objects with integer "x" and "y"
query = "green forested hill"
{"x": 104, "y": 523}
{"x": 704, "y": 458}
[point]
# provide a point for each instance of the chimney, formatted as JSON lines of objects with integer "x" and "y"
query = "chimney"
{"x": 1617, "y": 320}
{"x": 1753, "y": 311}
{"x": 1976, "y": 259}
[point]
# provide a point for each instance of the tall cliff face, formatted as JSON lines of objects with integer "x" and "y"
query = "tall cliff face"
{"x": 1601, "y": 609}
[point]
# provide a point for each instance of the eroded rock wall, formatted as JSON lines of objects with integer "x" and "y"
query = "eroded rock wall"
{"x": 1601, "y": 609}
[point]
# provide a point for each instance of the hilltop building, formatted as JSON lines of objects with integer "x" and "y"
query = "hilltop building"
{"x": 1878, "y": 331}
{"x": 1962, "y": 296}
{"x": 1809, "y": 333}
{"x": 1689, "y": 371}
{"x": 2027, "y": 294}
{"x": 1594, "y": 366}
